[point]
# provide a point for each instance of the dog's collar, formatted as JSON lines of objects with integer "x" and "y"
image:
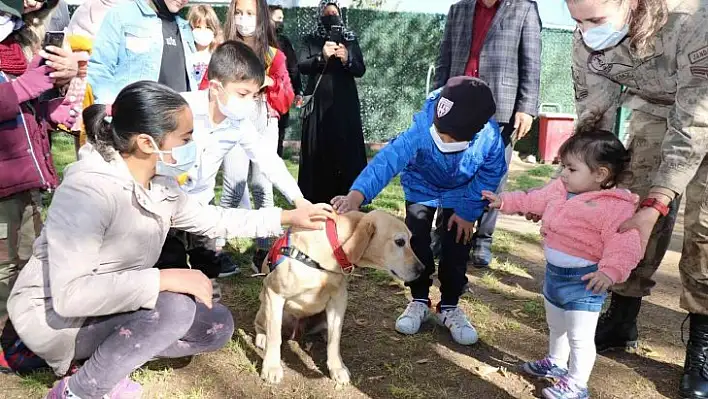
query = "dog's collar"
{"x": 339, "y": 255}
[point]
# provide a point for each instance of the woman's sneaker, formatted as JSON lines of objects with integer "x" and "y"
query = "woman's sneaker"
{"x": 410, "y": 320}
{"x": 544, "y": 368}
{"x": 565, "y": 388}
{"x": 60, "y": 390}
{"x": 125, "y": 389}
{"x": 460, "y": 327}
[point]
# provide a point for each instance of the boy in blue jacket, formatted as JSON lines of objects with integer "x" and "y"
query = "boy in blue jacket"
{"x": 451, "y": 153}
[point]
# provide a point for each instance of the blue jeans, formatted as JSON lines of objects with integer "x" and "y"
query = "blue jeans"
{"x": 564, "y": 288}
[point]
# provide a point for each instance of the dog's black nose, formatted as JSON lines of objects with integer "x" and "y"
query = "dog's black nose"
{"x": 419, "y": 269}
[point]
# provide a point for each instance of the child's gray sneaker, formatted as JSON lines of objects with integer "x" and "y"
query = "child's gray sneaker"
{"x": 544, "y": 368}
{"x": 565, "y": 388}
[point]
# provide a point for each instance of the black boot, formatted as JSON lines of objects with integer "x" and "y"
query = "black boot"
{"x": 617, "y": 327}
{"x": 694, "y": 383}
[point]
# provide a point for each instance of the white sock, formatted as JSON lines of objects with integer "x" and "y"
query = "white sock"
{"x": 581, "y": 337}
{"x": 558, "y": 346}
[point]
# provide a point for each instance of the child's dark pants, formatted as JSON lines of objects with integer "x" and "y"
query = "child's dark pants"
{"x": 453, "y": 255}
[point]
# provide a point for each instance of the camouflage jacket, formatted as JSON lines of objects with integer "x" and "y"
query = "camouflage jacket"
{"x": 671, "y": 82}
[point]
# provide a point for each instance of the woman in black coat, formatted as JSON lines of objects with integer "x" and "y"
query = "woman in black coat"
{"x": 333, "y": 153}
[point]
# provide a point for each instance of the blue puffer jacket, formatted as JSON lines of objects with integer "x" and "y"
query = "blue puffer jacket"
{"x": 433, "y": 178}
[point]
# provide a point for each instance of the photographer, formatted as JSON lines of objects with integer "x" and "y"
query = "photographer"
{"x": 332, "y": 154}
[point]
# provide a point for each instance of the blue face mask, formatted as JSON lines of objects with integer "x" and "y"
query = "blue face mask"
{"x": 185, "y": 156}
{"x": 604, "y": 36}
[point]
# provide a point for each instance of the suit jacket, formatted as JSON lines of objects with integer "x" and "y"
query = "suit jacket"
{"x": 510, "y": 61}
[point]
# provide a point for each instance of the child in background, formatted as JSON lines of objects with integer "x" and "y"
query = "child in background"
{"x": 207, "y": 35}
{"x": 582, "y": 212}
{"x": 249, "y": 22}
{"x": 452, "y": 152}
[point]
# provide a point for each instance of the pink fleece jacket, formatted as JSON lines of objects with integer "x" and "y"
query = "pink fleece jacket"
{"x": 585, "y": 225}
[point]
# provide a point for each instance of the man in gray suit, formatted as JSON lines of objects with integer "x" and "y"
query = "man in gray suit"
{"x": 498, "y": 41}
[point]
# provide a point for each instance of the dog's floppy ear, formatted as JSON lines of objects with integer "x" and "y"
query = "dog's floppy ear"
{"x": 355, "y": 246}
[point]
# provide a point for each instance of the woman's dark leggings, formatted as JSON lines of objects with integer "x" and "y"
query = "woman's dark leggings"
{"x": 118, "y": 344}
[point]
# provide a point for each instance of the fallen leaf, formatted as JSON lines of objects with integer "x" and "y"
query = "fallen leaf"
{"x": 519, "y": 313}
{"x": 485, "y": 370}
{"x": 422, "y": 361}
{"x": 376, "y": 378}
{"x": 509, "y": 359}
{"x": 395, "y": 339}
{"x": 360, "y": 322}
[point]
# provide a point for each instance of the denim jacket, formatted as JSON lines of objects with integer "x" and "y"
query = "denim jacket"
{"x": 128, "y": 48}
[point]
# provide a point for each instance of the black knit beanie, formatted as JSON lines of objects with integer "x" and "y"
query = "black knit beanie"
{"x": 465, "y": 105}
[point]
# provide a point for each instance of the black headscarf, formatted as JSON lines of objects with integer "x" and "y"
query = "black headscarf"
{"x": 323, "y": 31}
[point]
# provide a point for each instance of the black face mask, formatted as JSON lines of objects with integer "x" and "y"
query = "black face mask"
{"x": 162, "y": 11}
{"x": 328, "y": 21}
{"x": 279, "y": 27}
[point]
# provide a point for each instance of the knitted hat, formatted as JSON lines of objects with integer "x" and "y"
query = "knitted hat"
{"x": 12, "y": 7}
{"x": 465, "y": 105}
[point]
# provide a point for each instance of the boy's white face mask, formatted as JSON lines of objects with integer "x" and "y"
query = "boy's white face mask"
{"x": 444, "y": 147}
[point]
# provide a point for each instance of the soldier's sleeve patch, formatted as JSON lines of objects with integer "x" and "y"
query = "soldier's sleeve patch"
{"x": 699, "y": 72}
{"x": 698, "y": 55}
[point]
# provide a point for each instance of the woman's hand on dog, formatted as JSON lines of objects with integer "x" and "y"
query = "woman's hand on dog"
{"x": 308, "y": 217}
{"x": 347, "y": 203}
{"x": 187, "y": 281}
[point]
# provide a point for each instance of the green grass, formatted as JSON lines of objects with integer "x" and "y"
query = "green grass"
{"x": 532, "y": 178}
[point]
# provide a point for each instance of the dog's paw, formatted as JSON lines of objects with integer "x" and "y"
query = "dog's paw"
{"x": 261, "y": 341}
{"x": 340, "y": 376}
{"x": 272, "y": 374}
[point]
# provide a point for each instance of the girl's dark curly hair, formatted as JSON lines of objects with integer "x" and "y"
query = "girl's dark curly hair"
{"x": 599, "y": 148}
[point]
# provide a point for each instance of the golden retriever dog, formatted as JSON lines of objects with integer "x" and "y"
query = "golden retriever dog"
{"x": 312, "y": 284}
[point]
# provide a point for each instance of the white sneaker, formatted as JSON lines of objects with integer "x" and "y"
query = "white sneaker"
{"x": 460, "y": 327}
{"x": 410, "y": 320}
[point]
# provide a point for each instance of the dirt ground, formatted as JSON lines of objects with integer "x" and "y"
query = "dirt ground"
{"x": 504, "y": 304}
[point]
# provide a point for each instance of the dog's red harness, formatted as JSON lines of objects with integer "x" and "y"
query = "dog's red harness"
{"x": 339, "y": 255}
{"x": 282, "y": 249}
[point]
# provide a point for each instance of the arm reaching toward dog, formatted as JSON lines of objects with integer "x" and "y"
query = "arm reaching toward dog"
{"x": 347, "y": 203}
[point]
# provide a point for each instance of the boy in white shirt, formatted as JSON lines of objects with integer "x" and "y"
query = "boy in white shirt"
{"x": 221, "y": 122}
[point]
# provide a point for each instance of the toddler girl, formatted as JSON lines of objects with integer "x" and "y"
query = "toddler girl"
{"x": 207, "y": 35}
{"x": 582, "y": 212}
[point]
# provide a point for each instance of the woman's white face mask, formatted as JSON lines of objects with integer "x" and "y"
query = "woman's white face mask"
{"x": 607, "y": 34}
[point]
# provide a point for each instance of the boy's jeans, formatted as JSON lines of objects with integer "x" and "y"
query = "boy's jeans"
{"x": 453, "y": 256}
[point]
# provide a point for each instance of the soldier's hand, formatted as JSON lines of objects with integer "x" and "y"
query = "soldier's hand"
{"x": 643, "y": 221}
{"x": 599, "y": 282}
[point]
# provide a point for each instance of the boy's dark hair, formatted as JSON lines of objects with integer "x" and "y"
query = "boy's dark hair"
{"x": 234, "y": 61}
{"x": 599, "y": 148}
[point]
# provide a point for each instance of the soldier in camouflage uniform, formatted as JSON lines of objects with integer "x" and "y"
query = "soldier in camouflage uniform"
{"x": 651, "y": 56}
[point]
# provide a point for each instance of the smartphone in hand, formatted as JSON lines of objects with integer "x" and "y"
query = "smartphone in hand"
{"x": 52, "y": 38}
{"x": 335, "y": 34}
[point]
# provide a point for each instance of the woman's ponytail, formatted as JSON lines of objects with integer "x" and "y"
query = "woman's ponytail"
{"x": 99, "y": 129}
